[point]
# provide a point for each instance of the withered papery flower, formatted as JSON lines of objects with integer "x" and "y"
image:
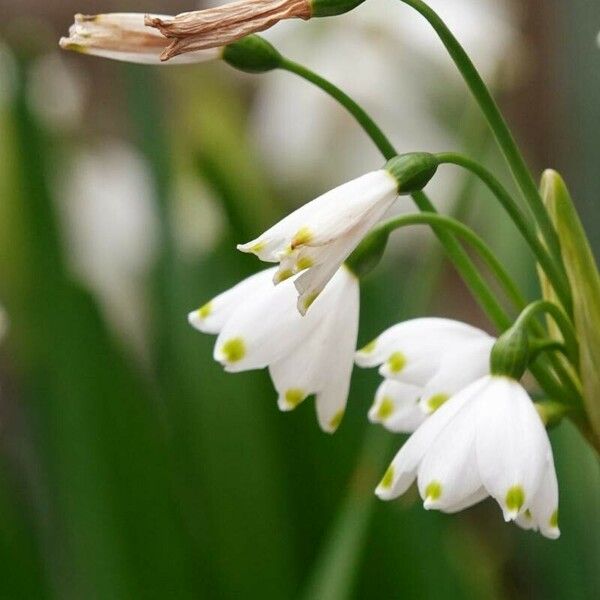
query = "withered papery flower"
{"x": 124, "y": 37}
{"x": 213, "y": 27}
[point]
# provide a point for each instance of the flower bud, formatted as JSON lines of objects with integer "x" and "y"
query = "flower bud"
{"x": 412, "y": 171}
{"x": 510, "y": 354}
{"x": 330, "y": 8}
{"x": 252, "y": 54}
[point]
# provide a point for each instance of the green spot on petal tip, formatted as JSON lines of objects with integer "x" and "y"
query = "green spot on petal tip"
{"x": 388, "y": 478}
{"x": 369, "y": 348}
{"x": 234, "y": 350}
{"x": 396, "y": 362}
{"x": 515, "y": 498}
{"x": 433, "y": 491}
{"x": 335, "y": 421}
{"x": 283, "y": 275}
{"x": 303, "y": 236}
{"x": 554, "y": 519}
{"x": 436, "y": 401}
{"x": 308, "y": 301}
{"x": 294, "y": 396}
{"x": 205, "y": 311}
{"x": 386, "y": 408}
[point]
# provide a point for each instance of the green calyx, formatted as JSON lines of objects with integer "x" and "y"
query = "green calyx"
{"x": 330, "y": 8}
{"x": 510, "y": 354}
{"x": 412, "y": 171}
{"x": 252, "y": 54}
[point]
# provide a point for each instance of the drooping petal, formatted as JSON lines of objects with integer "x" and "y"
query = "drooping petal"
{"x": 307, "y": 368}
{"x": 263, "y": 330}
{"x": 466, "y": 363}
{"x": 396, "y": 406}
{"x": 448, "y": 475}
{"x": 338, "y": 356}
{"x": 512, "y": 445}
{"x": 402, "y": 472}
{"x": 542, "y": 515}
{"x": 212, "y": 316}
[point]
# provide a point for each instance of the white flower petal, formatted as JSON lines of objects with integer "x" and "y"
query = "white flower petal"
{"x": 511, "y": 445}
{"x": 402, "y": 471}
{"x": 467, "y": 363}
{"x": 211, "y": 317}
{"x": 338, "y": 359}
{"x": 475, "y": 498}
{"x": 308, "y": 367}
{"x": 544, "y": 508}
{"x": 263, "y": 330}
{"x": 396, "y": 406}
{"x": 448, "y": 474}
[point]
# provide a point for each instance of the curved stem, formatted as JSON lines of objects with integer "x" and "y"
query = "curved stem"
{"x": 469, "y": 235}
{"x": 365, "y": 121}
{"x": 496, "y": 122}
{"x": 561, "y": 320}
{"x": 555, "y": 274}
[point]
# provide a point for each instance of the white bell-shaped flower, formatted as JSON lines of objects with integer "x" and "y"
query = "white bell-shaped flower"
{"x": 440, "y": 356}
{"x": 125, "y": 37}
{"x": 320, "y": 235}
{"x": 258, "y": 326}
{"x": 487, "y": 440}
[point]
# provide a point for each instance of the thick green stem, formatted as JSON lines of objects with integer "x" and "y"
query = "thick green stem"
{"x": 554, "y": 272}
{"x": 461, "y": 230}
{"x": 496, "y": 122}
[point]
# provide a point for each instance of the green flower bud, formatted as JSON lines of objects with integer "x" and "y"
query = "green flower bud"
{"x": 330, "y": 8}
{"x": 412, "y": 171}
{"x": 252, "y": 54}
{"x": 510, "y": 354}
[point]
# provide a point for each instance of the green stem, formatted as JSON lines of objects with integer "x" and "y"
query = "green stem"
{"x": 553, "y": 271}
{"x": 365, "y": 121}
{"x": 496, "y": 122}
{"x": 561, "y": 320}
{"x": 465, "y": 232}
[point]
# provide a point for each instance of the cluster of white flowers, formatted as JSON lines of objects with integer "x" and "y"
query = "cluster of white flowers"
{"x": 474, "y": 433}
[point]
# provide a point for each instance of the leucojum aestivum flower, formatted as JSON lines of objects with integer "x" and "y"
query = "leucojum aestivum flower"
{"x": 476, "y": 430}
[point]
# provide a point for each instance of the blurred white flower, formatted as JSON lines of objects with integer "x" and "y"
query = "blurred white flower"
{"x": 111, "y": 229}
{"x": 319, "y": 236}
{"x": 56, "y": 92}
{"x": 125, "y": 37}
{"x": 386, "y": 57}
{"x": 487, "y": 440}
{"x": 259, "y": 327}
{"x": 438, "y": 356}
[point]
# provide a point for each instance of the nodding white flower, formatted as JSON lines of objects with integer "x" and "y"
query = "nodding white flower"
{"x": 124, "y": 37}
{"x": 320, "y": 235}
{"x": 439, "y": 356}
{"x": 487, "y": 440}
{"x": 258, "y": 326}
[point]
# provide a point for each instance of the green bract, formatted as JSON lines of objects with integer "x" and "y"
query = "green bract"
{"x": 585, "y": 285}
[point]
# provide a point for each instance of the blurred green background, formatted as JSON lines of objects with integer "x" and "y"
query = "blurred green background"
{"x": 131, "y": 466}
